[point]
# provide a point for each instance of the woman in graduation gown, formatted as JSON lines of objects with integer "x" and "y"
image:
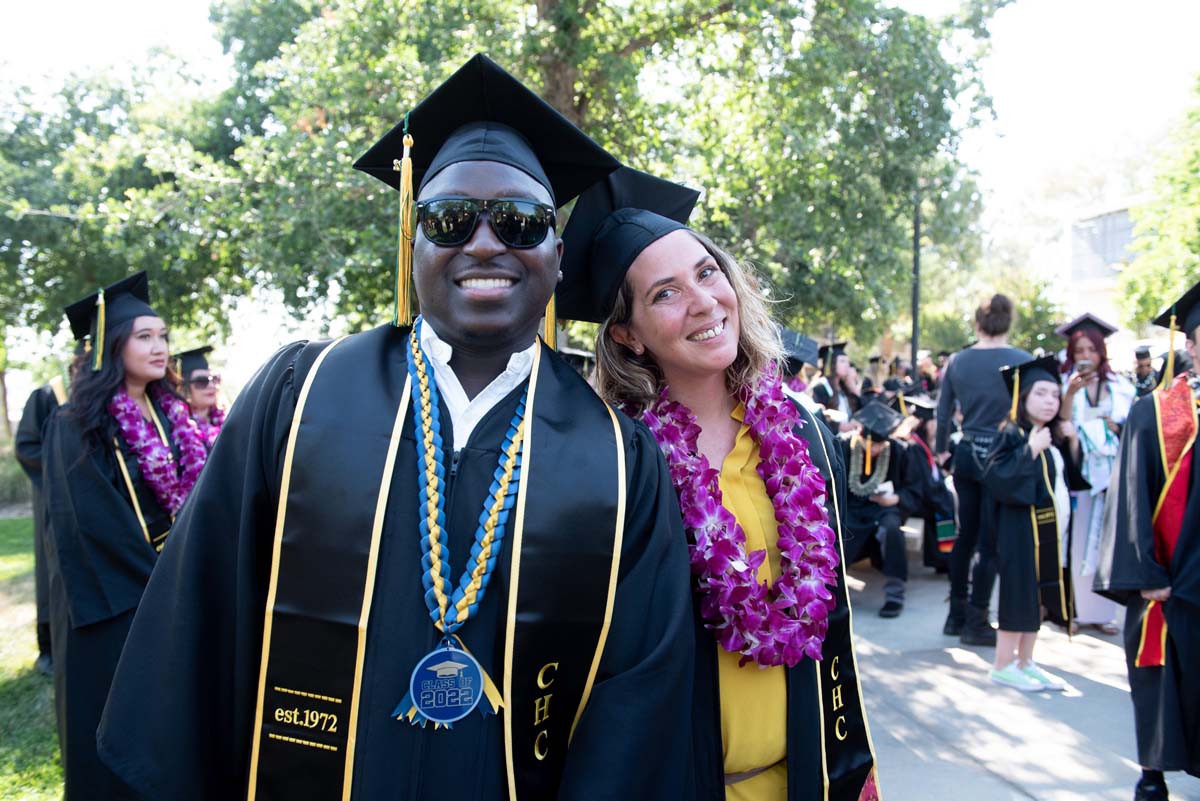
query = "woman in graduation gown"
{"x": 688, "y": 346}
{"x": 289, "y": 621}
{"x": 1030, "y": 472}
{"x": 119, "y": 460}
{"x": 201, "y": 389}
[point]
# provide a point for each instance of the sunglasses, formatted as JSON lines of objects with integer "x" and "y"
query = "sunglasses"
{"x": 450, "y": 221}
{"x": 202, "y": 382}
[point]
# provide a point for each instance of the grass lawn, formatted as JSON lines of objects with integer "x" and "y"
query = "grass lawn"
{"x": 29, "y": 763}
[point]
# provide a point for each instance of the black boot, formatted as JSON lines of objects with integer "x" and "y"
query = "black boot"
{"x": 1151, "y": 788}
{"x": 955, "y": 618}
{"x": 977, "y": 630}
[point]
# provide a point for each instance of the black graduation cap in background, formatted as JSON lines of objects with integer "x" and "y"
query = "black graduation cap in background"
{"x": 827, "y": 353}
{"x": 111, "y": 306}
{"x": 193, "y": 359}
{"x": 799, "y": 349}
{"x": 878, "y": 420}
{"x": 1085, "y": 321}
{"x": 482, "y": 113}
{"x": 1142, "y": 353}
{"x": 612, "y": 223}
{"x": 920, "y": 406}
{"x": 1043, "y": 368}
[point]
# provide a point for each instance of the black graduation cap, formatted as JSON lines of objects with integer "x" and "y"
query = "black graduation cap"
{"x": 1043, "y": 368}
{"x": 612, "y": 223}
{"x": 111, "y": 306}
{"x": 828, "y": 353}
{"x": 878, "y": 420}
{"x": 1142, "y": 353}
{"x": 1085, "y": 321}
{"x": 799, "y": 349}
{"x": 193, "y": 359}
{"x": 920, "y": 406}
{"x": 1186, "y": 312}
{"x": 482, "y": 113}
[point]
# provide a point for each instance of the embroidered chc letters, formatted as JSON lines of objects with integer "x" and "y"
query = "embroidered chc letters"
{"x": 541, "y": 711}
{"x": 836, "y": 704}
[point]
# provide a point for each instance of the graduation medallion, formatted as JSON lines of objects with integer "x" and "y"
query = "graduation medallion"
{"x": 448, "y": 682}
{"x": 445, "y": 686}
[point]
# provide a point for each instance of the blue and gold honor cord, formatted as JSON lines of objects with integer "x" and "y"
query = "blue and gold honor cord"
{"x": 450, "y": 612}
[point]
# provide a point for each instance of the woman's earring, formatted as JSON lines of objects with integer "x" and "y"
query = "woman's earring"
{"x": 560, "y": 276}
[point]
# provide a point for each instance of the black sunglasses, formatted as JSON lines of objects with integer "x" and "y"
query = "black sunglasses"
{"x": 202, "y": 382}
{"x": 518, "y": 223}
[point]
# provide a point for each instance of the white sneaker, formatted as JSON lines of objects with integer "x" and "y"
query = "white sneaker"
{"x": 1012, "y": 676}
{"x": 1047, "y": 680}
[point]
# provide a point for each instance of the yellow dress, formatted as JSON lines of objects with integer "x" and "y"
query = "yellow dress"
{"x": 753, "y": 699}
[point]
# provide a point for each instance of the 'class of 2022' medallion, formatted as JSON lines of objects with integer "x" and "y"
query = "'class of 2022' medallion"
{"x": 446, "y": 685}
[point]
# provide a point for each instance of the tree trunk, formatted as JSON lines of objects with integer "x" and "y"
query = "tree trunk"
{"x": 4, "y": 405}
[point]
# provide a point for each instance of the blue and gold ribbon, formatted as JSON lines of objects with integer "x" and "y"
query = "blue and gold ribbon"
{"x": 450, "y": 612}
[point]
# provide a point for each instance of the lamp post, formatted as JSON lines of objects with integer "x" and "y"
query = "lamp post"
{"x": 916, "y": 281}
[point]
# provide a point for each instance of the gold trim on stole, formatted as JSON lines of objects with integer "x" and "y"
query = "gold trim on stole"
{"x": 618, "y": 540}
{"x": 276, "y": 547}
{"x": 137, "y": 507}
{"x": 832, "y": 492}
{"x": 385, "y": 487}
{"x": 515, "y": 573}
{"x": 1062, "y": 589}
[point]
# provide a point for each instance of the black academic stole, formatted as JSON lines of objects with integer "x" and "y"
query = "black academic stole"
{"x": 847, "y": 755}
{"x": 1047, "y": 555}
{"x": 351, "y": 410}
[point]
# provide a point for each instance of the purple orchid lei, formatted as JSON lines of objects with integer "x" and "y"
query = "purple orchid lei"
{"x": 209, "y": 429}
{"x": 171, "y": 485}
{"x": 770, "y": 625}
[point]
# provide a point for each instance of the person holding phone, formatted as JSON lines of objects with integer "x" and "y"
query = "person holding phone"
{"x": 1097, "y": 400}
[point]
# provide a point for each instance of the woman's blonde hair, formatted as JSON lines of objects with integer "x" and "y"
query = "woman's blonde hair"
{"x": 634, "y": 382}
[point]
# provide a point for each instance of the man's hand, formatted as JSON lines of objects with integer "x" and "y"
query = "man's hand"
{"x": 1160, "y": 595}
{"x": 890, "y": 499}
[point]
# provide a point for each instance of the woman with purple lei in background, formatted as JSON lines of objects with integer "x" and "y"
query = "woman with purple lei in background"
{"x": 120, "y": 459}
{"x": 688, "y": 347}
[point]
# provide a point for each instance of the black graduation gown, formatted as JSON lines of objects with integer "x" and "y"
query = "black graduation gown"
{"x": 1017, "y": 482}
{"x": 823, "y": 394}
{"x": 1166, "y": 700}
{"x": 28, "y": 446}
{"x": 805, "y": 772}
{"x": 180, "y": 720}
{"x": 99, "y": 562}
{"x": 864, "y": 516}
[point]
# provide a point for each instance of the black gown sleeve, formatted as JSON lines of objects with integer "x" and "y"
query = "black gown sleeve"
{"x": 95, "y": 539}
{"x": 180, "y": 713}
{"x": 1011, "y": 474}
{"x": 915, "y": 482}
{"x": 27, "y": 443}
{"x": 641, "y": 702}
{"x": 1127, "y": 564}
{"x": 945, "y": 409}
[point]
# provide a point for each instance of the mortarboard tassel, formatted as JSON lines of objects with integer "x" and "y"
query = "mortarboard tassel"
{"x": 903, "y": 405}
{"x": 867, "y": 448}
{"x": 402, "y": 304}
{"x": 98, "y": 351}
{"x": 1169, "y": 367}
{"x": 1012, "y": 412}
{"x": 550, "y": 329}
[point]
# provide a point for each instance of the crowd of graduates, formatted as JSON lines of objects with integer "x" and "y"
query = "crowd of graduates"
{"x": 267, "y": 605}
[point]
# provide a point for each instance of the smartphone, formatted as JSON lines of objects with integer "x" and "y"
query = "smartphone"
{"x": 1085, "y": 365}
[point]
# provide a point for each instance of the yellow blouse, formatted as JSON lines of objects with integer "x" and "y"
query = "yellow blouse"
{"x": 753, "y": 699}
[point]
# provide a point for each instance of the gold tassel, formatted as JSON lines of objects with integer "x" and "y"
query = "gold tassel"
{"x": 98, "y": 351}
{"x": 550, "y": 328}
{"x": 1169, "y": 367}
{"x": 867, "y": 448}
{"x": 903, "y": 405}
{"x": 402, "y": 301}
{"x": 1012, "y": 412}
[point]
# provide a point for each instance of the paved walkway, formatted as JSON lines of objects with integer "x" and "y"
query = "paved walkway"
{"x": 943, "y": 732}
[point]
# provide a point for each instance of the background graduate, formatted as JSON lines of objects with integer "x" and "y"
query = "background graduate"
{"x": 688, "y": 345}
{"x": 27, "y": 444}
{"x": 885, "y": 488}
{"x": 118, "y": 462}
{"x": 1150, "y": 562}
{"x": 1029, "y": 474}
{"x": 335, "y": 593}
{"x": 202, "y": 390}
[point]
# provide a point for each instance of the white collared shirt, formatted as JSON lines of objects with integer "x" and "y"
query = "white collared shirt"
{"x": 466, "y": 413}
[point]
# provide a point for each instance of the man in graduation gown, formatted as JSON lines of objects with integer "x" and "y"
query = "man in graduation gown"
{"x": 283, "y": 629}
{"x": 1150, "y": 562}
{"x": 884, "y": 490}
{"x": 28, "y": 446}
